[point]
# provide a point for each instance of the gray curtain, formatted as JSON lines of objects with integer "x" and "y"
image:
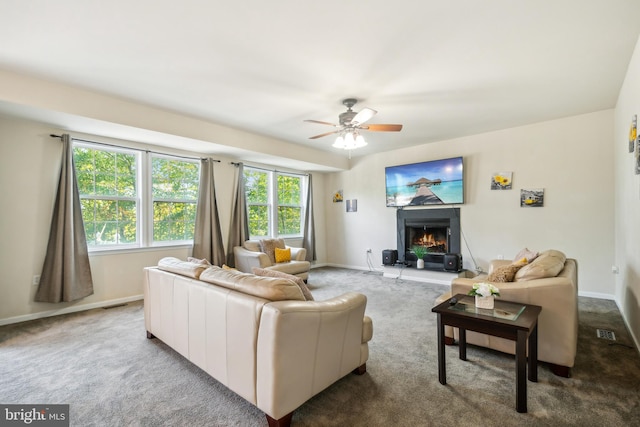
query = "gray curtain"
{"x": 66, "y": 273}
{"x": 239, "y": 230}
{"x": 207, "y": 239}
{"x": 309, "y": 236}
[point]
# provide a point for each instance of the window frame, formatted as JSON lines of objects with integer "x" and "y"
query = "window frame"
{"x": 273, "y": 205}
{"x": 143, "y": 199}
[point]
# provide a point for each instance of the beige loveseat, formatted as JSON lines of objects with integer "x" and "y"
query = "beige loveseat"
{"x": 256, "y": 335}
{"x": 253, "y": 254}
{"x": 550, "y": 281}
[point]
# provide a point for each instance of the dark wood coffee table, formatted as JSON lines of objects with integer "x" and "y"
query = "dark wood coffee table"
{"x": 511, "y": 320}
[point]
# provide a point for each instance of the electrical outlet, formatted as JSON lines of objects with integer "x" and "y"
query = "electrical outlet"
{"x": 368, "y": 250}
{"x": 36, "y": 280}
{"x": 615, "y": 269}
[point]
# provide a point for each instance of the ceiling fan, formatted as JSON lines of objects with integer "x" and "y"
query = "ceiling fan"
{"x": 352, "y": 121}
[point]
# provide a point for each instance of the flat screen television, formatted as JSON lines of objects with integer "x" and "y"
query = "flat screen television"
{"x": 435, "y": 182}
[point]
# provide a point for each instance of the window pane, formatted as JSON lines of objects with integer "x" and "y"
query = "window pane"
{"x": 174, "y": 189}
{"x": 258, "y": 220}
{"x": 173, "y": 221}
{"x": 289, "y": 219}
{"x": 175, "y": 179}
{"x": 110, "y": 220}
{"x": 256, "y": 187}
{"x": 288, "y": 190}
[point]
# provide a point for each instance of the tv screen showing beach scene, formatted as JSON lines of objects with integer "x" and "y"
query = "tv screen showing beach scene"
{"x": 435, "y": 182}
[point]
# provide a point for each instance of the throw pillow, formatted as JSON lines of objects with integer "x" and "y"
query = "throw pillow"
{"x": 548, "y": 264}
{"x": 268, "y": 246}
{"x": 203, "y": 261}
{"x": 526, "y": 253}
{"x": 283, "y": 255}
{"x": 506, "y": 273}
{"x": 297, "y": 280}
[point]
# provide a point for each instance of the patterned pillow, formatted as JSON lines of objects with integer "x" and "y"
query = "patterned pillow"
{"x": 297, "y": 280}
{"x": 283, "y": 255}
{"x": 506, "y": 273}
{"x": 526, "y": 253}
{"x": 268, "y": 246}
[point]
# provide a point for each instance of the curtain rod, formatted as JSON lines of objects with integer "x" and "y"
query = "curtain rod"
{"x": 269, "y": 170}
{"x": 135, "y": 149}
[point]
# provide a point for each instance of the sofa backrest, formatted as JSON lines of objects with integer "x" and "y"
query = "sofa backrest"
{"x": 270, "y": 288}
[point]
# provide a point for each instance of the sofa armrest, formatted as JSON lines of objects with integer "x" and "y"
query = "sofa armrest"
{"x": 246, "y": 260}
{"x": 298, "y": 254}
{"x": 305, "y": 346}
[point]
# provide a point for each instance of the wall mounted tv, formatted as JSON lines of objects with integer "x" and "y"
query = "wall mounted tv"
{"x": 435, "y": 182}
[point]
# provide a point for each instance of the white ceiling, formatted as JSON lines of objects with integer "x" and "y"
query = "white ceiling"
{"x": 444, "y": 69}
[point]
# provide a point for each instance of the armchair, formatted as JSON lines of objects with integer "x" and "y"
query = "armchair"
{"x": 251, "y": 255}
{"x": 550, "y": 281}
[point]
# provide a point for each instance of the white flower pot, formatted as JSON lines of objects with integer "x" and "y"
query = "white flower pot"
{"x": 485, "y": 302}
{"x": 420, "y": 263}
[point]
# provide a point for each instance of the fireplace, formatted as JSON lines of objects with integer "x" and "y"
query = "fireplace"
{"x": 438, "y": 230}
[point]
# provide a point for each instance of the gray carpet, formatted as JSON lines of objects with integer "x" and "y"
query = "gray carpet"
{"x": 101, "y": 363}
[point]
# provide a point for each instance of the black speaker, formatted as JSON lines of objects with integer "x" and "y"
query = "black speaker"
{"x": 389, "y": 256}
{"x": 452, "y": 262}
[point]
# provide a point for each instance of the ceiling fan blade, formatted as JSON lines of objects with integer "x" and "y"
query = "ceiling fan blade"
{"x": 320, "y": 122}
{"x": 323, "y": 134}
{"x": 383, "y": 128}
{"x": 364, "y": 115}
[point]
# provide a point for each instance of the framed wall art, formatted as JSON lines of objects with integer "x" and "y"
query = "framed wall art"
{"x": 501, "y": 181}
{"x": 532, "y": 198}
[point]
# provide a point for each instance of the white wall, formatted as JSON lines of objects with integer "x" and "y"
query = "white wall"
{"x": 29, "y": 168}
{"x": 627, "y": 201}
{"x": 570, "y": 158}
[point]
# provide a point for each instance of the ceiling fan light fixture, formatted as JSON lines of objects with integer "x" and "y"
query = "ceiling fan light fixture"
{"x": 339, "y": 142}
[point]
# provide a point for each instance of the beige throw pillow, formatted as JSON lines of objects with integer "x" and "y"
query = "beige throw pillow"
{"x": 548, "y": 264}
{"x": 273, "y": 273}
{"x": 526, "y": 253}
{"x": 268, "y": 246}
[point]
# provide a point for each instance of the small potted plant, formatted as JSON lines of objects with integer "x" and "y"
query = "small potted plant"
{"x": 485, "y": 294}
{"x": 420, "y": 252}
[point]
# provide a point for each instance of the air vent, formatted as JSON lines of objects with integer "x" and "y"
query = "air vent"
{"x": 604, "y": 334}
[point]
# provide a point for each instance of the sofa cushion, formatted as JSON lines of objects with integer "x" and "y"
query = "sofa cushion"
{"x": 268, "y": 246}
{"x": 267, "y": 272}
{"x": 282, "y": 255}
{"x": 506, "y": 273}
{"x": 183, "y": 268}
{"x": 548, "y": 264}
{"x": 270, "y": 288}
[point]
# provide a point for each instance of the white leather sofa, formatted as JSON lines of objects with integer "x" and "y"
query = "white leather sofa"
{"x": 550, "y": 281}
{"x": 257, "y": 335}
{"x": 250, "y": 256}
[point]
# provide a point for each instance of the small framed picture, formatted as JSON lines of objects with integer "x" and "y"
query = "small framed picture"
{"x": 337, "y": 196}
{"x": 501, "y": 181}
{"x": 532, "y": 198}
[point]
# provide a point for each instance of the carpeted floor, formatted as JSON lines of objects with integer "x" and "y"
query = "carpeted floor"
{"x": 101, "y": 363}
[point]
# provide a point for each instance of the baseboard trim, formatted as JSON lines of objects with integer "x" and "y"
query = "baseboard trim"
{"x": 597, "y": 295}
{"x": 74, "y": 309}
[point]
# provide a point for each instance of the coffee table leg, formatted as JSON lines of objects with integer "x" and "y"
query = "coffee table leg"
{"x": 521, "y": 372}
{"x": 533, "y": 354}
{"x": 442, "y": 369}
{"x": 463, "y": 343}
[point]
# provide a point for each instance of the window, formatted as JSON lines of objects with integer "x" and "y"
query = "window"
{"x": 274, "y": 203}
{"x": 175, "y": 194}
{"x": 135, "y": 199}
